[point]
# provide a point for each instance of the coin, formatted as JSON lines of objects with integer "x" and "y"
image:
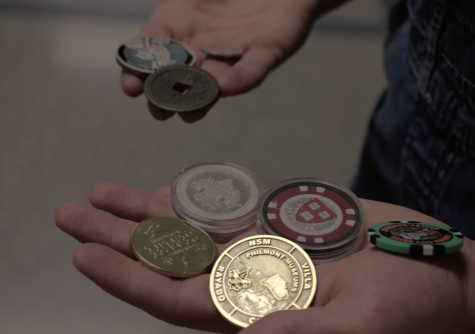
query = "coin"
{"x": 323, "y": 217}
{"x": 143, "y": 56}
{"x": 173, "y": 247}
{"x": 216, "y": 196}
{"x": 415, "y": 238}
{"x": 181, "y": 88}
{"x": 222, "y": 50}
{"x": 259, "y": 275}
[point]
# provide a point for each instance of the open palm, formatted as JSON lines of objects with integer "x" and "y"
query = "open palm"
{"x": 376, "y": 292}
{"x": 372, "y": 291}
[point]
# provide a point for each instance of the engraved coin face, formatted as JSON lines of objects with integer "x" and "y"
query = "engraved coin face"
{"x": 259, "y": 275}
{"x": 143, "y": 56}
{"x": 173, "y": 247}
{"x": 217, "y": 191}
{"x": 181, "y": 88}
{"x": 222, "y": 50}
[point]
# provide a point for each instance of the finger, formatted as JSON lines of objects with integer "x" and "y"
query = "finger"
{"x": 131, "y": 84}
{"x": 245, "y": 74}
{"x": 191, "y": 117}
{"x": 183, "y": 302}
{"x": 88, "y": 224}
{"x": 158, "y": 24}
{"x": 131, "y": 203}
{"x": 188, "y": 117}
{"x": 159, "y": 113}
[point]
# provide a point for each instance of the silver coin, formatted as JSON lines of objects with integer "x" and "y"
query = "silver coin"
{"x": 181, "y": 88}
{"x": 222, "y": 50}
{"x": 217, "y": 191}
{"x": 143, "y": 56}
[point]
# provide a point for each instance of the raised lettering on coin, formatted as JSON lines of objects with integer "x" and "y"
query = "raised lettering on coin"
{"x": 259, "y": 275}
{"x": 173, "y": 247}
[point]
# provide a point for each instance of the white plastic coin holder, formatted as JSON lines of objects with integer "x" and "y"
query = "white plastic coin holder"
{"x": 324, "y": 218}
{"x": 221, "y": 198}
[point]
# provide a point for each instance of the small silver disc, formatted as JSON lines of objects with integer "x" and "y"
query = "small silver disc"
{"x": 227, "y": 51}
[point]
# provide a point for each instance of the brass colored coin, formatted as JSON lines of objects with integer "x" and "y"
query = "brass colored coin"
{"x": 173, "y": 247}
{"x": 259, "y": 275}
{"x": 181, "y": 88}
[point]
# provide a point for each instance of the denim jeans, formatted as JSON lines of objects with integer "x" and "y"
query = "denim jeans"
{"x": 420, "y": 147}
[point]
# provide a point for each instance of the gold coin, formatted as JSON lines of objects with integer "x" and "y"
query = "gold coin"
{"x": 259, "y": 275}
{"x": 173, "y": 247}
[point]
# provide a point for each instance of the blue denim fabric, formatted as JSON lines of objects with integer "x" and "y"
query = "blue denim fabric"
{"x": 420, "y": 147}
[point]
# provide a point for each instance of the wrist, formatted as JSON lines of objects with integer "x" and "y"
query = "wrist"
{"x": 468, "y": 252}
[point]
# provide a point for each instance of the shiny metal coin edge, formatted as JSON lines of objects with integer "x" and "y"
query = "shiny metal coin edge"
{"x": 235, "y": 53}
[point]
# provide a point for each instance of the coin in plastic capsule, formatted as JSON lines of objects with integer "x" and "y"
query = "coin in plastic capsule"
{"x": 219, "y": 197}
{"x": 324, "y": 218}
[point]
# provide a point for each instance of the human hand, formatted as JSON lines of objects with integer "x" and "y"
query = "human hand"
{"x": 106, "y": 256}
{"x": 375, "y": 291}
{"x": 268, "y": 31}
{"x": 372, "y": 291}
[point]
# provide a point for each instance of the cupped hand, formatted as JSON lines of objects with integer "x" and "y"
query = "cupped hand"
{"x": 106, "y": 256}
{"x": 372, "y": 291}
{"x": 268, "y": 31}
{"x": 376, "y": 292}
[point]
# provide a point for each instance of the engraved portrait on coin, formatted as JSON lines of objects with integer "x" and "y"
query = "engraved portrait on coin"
{"x": 260, "y": 275}
{"x": 173, "y": 247}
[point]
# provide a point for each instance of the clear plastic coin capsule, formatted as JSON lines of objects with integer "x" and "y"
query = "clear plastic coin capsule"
{"x": 220, "y": 197}
{"x": 324, "y": 218}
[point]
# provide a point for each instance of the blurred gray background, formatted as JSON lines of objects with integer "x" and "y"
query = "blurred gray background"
{"x": 66, "y": 125}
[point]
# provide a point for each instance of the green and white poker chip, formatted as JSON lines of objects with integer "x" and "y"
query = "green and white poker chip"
{"x": 415, "y": 238}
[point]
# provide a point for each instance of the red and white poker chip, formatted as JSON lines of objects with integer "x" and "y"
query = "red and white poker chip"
{"x": 311, "y": 213}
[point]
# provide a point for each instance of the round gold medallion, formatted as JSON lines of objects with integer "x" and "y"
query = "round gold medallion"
{"x": 173, "y": 247}
{"x": 259, "y": 275}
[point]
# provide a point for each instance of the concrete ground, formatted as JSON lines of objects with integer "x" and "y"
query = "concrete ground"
{"x": 66, "y": 125}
